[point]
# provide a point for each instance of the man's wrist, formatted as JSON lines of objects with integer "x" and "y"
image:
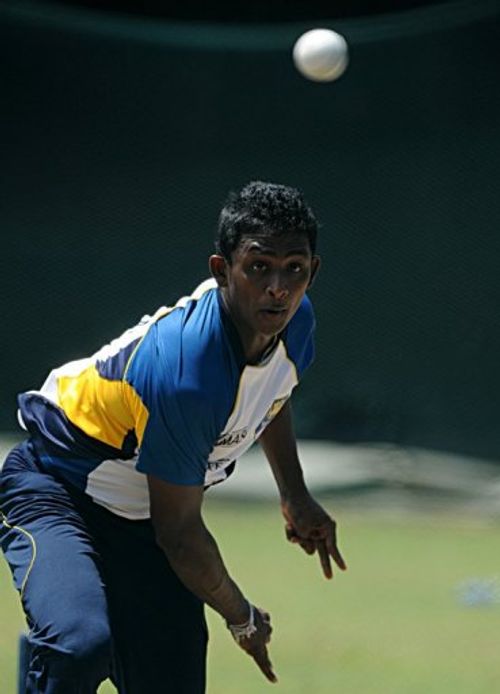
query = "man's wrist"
{"x": 245, "y": 629}
{"x": 238, "y": 614}
{"x": 295, "y": 495}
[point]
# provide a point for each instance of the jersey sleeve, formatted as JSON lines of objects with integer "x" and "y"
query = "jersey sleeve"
{"x": 181, "y": 424}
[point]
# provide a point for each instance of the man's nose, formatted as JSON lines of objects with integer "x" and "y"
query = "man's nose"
{"x": 277, "y": 286}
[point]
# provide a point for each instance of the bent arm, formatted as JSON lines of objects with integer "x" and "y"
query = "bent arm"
{"x": 280, "y": 447}
{"x": 307, "y": 523}
{"x": 191, "y": 550}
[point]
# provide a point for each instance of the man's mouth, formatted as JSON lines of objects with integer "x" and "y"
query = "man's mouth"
{"x": 273, "y": 310}
{"x": 275, "y": 314}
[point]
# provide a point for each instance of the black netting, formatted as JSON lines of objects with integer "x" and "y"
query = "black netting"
{"x": 122, "y": 137}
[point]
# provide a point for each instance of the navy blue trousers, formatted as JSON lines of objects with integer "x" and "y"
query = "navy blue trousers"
{"x": 99, "y": 595}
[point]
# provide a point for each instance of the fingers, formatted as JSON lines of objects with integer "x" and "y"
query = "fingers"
{"x": 256, "y": 644}
{"x": 323, "y": 540}
{"x": 261, "y": 658}
{"x": 324, "y": 558}
{"x": 266, "y": 618}
{"x": 307, "y": 545}
{"x": 338, "y": 559}
{"x": 333, "y": 550}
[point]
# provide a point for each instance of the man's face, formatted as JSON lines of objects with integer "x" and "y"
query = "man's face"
{"x": 265, "y": 282}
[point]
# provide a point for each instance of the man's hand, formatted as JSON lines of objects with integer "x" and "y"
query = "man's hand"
{"x": 256, "y": 644}
{"x": 308, "y": 525}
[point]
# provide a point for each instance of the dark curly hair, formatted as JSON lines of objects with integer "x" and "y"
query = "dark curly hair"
{"x": 264, "y": 208}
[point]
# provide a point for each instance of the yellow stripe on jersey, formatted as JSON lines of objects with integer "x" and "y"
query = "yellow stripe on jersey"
{"x": 138, "y": 409}
{"x": 103, "y": 409}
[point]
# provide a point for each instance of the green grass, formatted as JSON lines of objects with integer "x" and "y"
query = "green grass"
{"x": 390, "y": 625}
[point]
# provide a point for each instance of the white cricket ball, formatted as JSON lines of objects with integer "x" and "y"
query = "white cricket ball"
{"x": 321, "y": 55}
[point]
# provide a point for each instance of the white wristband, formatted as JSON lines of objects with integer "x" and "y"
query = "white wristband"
{"x": 244, "y": 631}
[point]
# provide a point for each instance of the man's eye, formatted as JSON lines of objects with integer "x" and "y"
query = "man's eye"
{"x": 259, "y": 266}
{"x": 296, "y": 268}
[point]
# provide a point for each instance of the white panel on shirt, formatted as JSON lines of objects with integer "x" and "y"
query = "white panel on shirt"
{"x": 262, "y": 391}
{"x": 116, "y": 485}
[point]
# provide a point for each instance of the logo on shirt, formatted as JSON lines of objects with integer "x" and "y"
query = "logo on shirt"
{"x": 218, "y": 464}
{"x": 232, "y": 438}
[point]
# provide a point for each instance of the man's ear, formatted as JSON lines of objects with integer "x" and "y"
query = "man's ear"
{"x": 218, "y": 268}
{"x": 315, "y": 264}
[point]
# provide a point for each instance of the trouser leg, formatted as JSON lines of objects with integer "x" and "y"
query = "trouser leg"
{"x": 159, "y": 628}
{"x": 23, "y": 663}
{"x": 55, "y": 569}
{"x": 83, "y": 572}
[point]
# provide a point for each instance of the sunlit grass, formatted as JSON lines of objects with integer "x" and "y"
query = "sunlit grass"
{"x": 392, "y": 624}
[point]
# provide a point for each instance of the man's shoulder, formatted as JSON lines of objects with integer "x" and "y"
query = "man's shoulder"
{"x": 186, "y": 349}
{"x": 193, "y": 333}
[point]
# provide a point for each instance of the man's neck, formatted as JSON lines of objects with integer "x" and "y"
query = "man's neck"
{"x": 255, "y": 346}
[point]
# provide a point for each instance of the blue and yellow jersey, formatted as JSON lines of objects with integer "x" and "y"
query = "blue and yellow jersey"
{"x": 171, "y": 397}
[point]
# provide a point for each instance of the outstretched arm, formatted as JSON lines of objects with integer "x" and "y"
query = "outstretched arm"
{"x": 194, "y": 556}
{"x": 306, "y": 522}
